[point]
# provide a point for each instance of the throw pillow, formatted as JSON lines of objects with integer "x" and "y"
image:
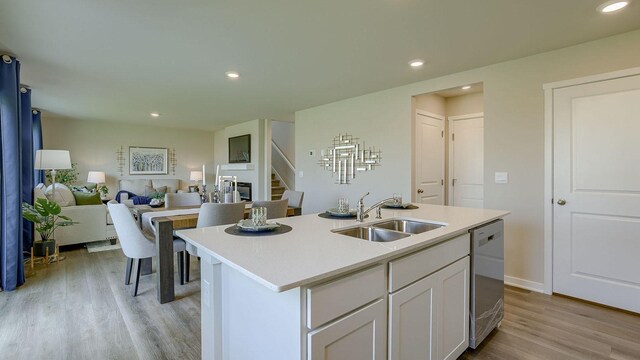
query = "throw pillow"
{"x": 85, "y": 198}
{"x": 150, "y": 191}
{"x": 64, "y": 196}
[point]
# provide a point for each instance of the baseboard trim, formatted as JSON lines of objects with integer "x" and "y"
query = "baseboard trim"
{"x": 524, "y": 284}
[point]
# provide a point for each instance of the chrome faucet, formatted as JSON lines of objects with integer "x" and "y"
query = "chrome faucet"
{"x": 361, "y": 212}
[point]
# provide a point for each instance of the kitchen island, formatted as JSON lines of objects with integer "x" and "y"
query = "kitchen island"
{"x": 314, "y": 293}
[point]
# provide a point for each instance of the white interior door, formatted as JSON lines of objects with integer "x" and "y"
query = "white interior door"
{"x": 466, "y": 160}
{"x": 596, "y": 216}
{"x": 429, "y": 158}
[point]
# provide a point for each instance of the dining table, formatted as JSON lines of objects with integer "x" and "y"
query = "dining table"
{"x": 162, "y": 223}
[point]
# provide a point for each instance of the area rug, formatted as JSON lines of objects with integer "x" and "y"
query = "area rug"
{"x": 105, "y": 245}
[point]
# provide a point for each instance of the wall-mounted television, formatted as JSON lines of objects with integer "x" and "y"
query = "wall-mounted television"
{"x": 240, "y": 149}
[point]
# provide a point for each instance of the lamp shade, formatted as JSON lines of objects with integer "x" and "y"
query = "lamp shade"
{"x": 52, "y": 159}
{"x": 196, "y": 176}
{"x": 96, "y": 177}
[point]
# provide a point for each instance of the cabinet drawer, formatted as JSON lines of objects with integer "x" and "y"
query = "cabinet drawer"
{"x": 327, "y": 301}
{"x": 408, "y": 269}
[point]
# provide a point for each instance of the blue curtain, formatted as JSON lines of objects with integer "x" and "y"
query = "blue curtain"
{"x": 11, "y": 258}
{"x": 26, "y": 129}
{"x": 38, "y": 175}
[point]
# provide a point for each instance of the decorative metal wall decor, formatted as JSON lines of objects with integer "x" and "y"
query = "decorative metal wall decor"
{"x": 347, "y": 156}
{"x": 173, "y": 160}
{"x": 120, "y": 160}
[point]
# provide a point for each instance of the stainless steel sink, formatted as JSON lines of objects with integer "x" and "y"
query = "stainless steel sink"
{"x": 372, "y": 234}
{"x": 407, "y": 226}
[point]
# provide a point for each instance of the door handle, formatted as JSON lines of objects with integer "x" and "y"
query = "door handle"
{"x": 420, "y": 191}
{"x": 562, "y": 202}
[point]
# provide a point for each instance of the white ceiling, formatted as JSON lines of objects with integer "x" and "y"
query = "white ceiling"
{"x": 118, "y": 60}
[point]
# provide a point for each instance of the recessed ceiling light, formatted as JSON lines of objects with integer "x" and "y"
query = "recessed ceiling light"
{"x": 416, "y": 63}
{"x": 154, "y": 114}
{"x": 466, "y": 87}
{"x": 232, "y": 74}
{"x": 612, "y": 5}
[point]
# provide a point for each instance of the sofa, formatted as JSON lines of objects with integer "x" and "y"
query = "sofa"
{"x": 138, "y": 187}
{"x": 93, "y": 221}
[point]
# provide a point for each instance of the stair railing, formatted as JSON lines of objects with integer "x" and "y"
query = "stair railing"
{"x": 282, "y": 167}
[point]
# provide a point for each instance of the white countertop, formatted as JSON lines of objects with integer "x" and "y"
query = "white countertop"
{"x": 311, "y": 252}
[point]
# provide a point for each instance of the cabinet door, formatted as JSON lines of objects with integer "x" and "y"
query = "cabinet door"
{"x": 453, "y": 309}
{"x": 358, "y": 336}
{"x": 412, "y": 321}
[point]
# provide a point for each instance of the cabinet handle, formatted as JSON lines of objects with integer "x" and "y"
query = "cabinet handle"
{"x": 420, "y": 191}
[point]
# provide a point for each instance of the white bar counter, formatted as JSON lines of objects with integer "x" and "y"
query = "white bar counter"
{"x": 255, "y": 280}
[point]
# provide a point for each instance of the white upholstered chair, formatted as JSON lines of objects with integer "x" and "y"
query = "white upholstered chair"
{"x": 181, "y": 199}
{"x": 136, "y": 245}
{"x": 275, "y": 209}
{"x": 295, "y": 200}
{"x": 220, "y": 214}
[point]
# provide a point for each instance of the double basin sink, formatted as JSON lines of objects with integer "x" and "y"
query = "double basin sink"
{"x": 389, "y": 230}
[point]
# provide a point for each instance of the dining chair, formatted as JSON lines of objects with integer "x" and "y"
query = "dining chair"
{"x": 138, "y": 245}
{"x": 212, "y": 214}
{"x": 181, "y": 199}
{"x": 275, "y": 209}
{"x": 295, "y": 200}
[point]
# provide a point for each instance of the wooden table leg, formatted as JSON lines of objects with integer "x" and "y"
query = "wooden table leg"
{"x": 164, "y": 254}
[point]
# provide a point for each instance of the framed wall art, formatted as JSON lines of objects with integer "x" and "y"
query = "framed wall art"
{"x": 240, "y": 149}
{"x": 148, "y": 161}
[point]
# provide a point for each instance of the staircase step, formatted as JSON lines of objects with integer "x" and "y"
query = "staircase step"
{"x": 277, "y": 189}
{"x": 276, "y": 197}
{"x": 275, "y": 183}
{"x": 273, "y": 176}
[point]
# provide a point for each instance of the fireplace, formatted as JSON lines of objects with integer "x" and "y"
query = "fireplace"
{"x": 244, "y": 188}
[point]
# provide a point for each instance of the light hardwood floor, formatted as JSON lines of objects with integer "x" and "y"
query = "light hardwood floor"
{"x": 80, "y": 309}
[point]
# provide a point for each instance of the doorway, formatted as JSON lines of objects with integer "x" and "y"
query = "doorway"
{"x": 593, "y": 218}
{"x": 449, "y": 147}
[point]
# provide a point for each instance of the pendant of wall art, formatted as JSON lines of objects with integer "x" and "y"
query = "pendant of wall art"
{"x": 347, "y": 157}
{"x": 120, "y": 160}
{"x": 173, "y": 160}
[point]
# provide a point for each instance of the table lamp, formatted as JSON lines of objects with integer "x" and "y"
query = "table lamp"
{"x": 96, "y": 177}
{"x": 52, "y": 160}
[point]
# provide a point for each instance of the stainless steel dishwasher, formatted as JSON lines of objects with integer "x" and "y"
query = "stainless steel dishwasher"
{"x": 487, "y": 281}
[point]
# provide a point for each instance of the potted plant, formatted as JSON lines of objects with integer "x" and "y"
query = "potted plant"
{"x": 103, "y": 190}
{"x": 157, "y": 200}
{"x": 45, "y": 214}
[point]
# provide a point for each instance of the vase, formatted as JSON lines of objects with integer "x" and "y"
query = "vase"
{"x": 40, "y": 247}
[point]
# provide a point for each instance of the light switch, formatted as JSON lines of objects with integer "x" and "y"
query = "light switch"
{"x": 312, "y": 153}
{"x": 301, "y": 174}
{"x": 502, "y": 178}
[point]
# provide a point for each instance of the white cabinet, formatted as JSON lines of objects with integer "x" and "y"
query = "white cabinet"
{"x": 453, "y": 309}
{"x": 429, "y": 319}
{"x": 412, "y": 321}
{"x": 357, "y": 336}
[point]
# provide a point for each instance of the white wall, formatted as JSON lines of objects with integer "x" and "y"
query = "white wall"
{"x": 432, "y": 103}
{"x": 284, "y": 135}
{"x": 260, "y": 130}
{"x": 464, "y": 104}
{"x": 514, "y": 137}
{"x": 93, "y": 146}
